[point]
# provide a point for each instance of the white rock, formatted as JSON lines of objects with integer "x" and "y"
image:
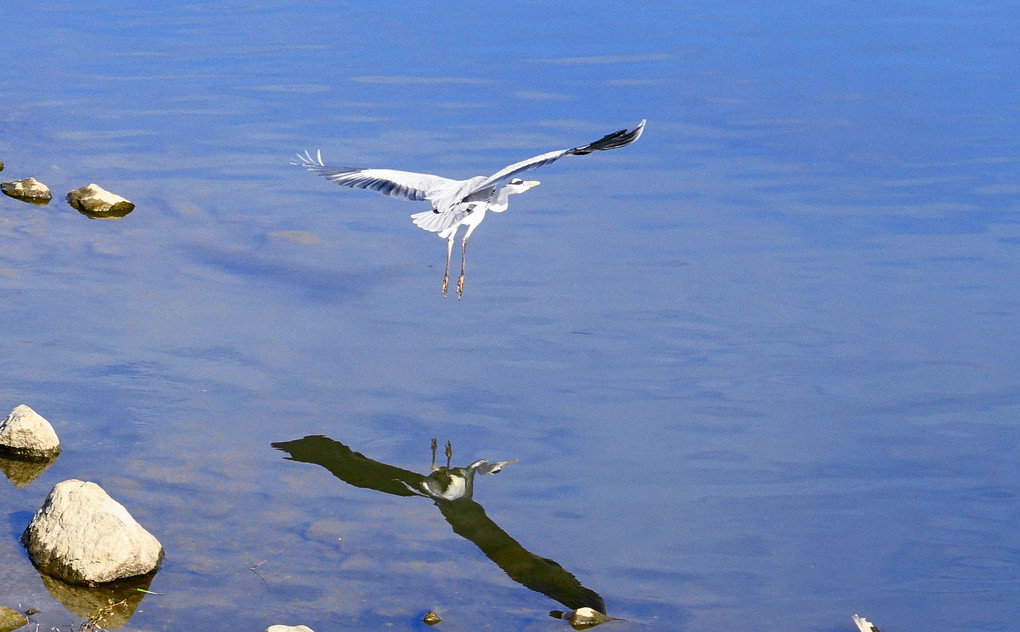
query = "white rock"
{"x": 29, "y": 190}
{"x": 24, "y": 433}
{"x": 95, "y": 201}
{"x": 587, "y": 617}
{"x": 82, "y": 536}
{"x": 289, "y": 628}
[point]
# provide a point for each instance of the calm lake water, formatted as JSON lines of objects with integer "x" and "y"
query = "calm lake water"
{"x": 758, "y": 369}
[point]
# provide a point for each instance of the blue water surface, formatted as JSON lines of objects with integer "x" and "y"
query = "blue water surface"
{"x": 758, "y": 369}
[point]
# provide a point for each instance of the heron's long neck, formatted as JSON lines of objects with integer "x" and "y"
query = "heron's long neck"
{"x": 501, "y": 200}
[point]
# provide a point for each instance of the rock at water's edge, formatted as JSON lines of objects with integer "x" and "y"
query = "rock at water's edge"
{"x": 82, "y": 536}
{"x": 25, "y": 434}
{"x": 289, "y": 628}
{"x": 96, "y": 202}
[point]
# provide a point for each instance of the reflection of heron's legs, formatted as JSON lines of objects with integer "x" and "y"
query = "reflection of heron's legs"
{"x": 434, "y": 446}
{"x": 463, "y": 263}
{"x": 446, "y": 275}
{"x": 449, "y": 453}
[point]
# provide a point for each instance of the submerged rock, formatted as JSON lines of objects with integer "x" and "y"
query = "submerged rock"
{"x": 25, "y": 434}
{"x": 96, "y": 202}
{"x": 82, "y": 536}
{"x": 27, "y": 190}
{"x": 11, "y": 619}
{"x": 431, "y": 618}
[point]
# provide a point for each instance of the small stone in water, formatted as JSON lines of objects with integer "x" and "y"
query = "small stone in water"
{"x": 96, "y": 202}
{"x": 27, "y": 190}
{"x": 26, "y": 435}
{"x": 431, "y": 618}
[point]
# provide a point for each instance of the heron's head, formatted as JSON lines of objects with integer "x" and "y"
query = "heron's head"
{"x": 519, "y": 186}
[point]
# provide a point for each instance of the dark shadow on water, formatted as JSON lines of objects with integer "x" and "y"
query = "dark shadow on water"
{"x": 317, "y": 283}
{"x": 451, "y": 490}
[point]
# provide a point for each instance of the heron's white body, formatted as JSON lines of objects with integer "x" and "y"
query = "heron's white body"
{"x": 457, "y": 203}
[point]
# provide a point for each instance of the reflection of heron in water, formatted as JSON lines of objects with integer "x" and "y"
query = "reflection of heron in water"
{"x": 451, "y": 490}
{"x": 448, "y": 483}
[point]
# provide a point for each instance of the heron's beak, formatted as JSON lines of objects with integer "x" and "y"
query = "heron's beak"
{"x": 532, "y": 183}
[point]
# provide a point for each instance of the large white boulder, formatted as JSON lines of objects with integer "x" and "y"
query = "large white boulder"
{"x": 82, "y": 536}
{"x": 25, "y": 434}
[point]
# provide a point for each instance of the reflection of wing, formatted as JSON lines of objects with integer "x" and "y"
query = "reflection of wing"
{"x": 351, "y": 467}
{"x": 542, "y": 575}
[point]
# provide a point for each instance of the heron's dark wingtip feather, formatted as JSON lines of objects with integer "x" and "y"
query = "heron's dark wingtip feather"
{"x": 615, "y": 140}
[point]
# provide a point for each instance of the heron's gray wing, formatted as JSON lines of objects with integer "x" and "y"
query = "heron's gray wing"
{"x": 398, "y": 184}
{"x": 615, "y": 140}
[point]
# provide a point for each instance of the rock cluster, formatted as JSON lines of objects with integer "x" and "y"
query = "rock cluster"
{"x": 82, "y": 536}
{"x": 90, "y": 200}
{"x": 24, "y": 434}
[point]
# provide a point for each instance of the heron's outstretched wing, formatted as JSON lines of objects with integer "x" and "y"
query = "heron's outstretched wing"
{"x": 398, "y": 184}
{"x": 615, "y": 140}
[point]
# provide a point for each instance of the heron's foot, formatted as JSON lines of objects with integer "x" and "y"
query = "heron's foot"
{"x": 460, "y": 287}
{"x": 446, "y": 284}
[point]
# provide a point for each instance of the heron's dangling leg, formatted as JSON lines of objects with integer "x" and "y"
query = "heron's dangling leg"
{"x": 449, "y": 253}
{"x": 434, "y": 445}
{"x": 463, "y": 264}
{"x": 449, "y": 453}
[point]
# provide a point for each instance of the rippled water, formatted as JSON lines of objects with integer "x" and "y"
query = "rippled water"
{"x": 757, "y": 370}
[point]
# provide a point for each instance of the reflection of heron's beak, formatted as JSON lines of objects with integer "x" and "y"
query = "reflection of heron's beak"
{"x": 532, "y": 183}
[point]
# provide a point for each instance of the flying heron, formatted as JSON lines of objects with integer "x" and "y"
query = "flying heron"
{"x": 457, "y": 203}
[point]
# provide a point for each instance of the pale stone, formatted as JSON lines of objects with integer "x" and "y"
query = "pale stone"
{"x": 29, "y": 190}
{"x": 95, "y": 201}
{"x": 82, "y": 536}
{"x": 587, "y": 617}
{"x": 25, "y": 434}
{"x": 289, "y": 628}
